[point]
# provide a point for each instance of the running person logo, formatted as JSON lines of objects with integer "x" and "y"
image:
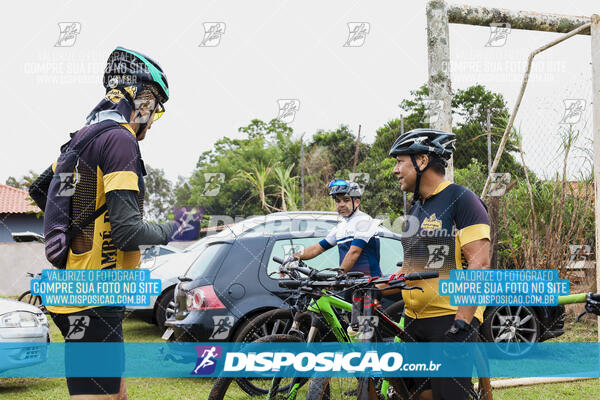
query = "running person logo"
{"x": 77, "y": 326}
{"x": 222, "y": 326}
{"x": 367, "y": 326}
{"x": 432, "y": 109}
{"x": 499, "y": 32}
{"x": 68, "y": 182}
{"x": 357, "y": 33}
{"x": 213, "y": 31}
{"x": 287, "y": 110}
{"x": 437, "y": 256}
{"x": 68, "y": 34}
{"x": 212, "y": 185}
{"x": 574, "y": 109}
{"x": 207, "y": 359}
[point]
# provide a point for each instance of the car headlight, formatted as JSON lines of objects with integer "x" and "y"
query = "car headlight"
{"x": 42, "y": 319}
{"x": 19, "y": 319}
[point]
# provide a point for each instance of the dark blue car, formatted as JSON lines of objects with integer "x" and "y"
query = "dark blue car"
{"x": 232, "y": 282}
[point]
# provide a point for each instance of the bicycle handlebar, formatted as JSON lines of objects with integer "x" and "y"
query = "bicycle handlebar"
{"x": 417, "y": 276}
{"x": 290, "y": 284}
{"x": 333, "y": 280}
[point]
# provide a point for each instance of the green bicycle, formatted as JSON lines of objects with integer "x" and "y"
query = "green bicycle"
{"x": 320, "y": 308}
{"x": 323, "y": 310}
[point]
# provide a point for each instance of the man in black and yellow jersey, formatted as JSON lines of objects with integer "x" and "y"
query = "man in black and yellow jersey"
{"x": 447, "y": 227}
{"x": 110, "y": 175}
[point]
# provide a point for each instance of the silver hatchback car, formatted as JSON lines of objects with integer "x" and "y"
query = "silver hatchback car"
{"x": 24, "y": 335}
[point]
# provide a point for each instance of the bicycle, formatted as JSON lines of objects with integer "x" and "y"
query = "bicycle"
{"x": 26, "y": 296}
{"x": 321, "y": 304}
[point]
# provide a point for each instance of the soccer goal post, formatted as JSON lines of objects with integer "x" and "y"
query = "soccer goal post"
{"x": 440, "y": 14}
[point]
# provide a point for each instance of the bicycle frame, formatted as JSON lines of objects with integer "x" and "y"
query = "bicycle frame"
{"x": 324, "y": 306}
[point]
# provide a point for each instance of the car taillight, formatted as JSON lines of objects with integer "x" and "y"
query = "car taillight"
{"x": 203, "y": 298}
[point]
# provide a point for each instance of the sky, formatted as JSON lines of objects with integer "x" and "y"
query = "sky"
{"x": 270, "y": 52}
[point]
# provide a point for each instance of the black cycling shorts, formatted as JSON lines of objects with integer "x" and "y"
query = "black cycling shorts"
{"x": 98, "y": 324}
{"x": 433, "y": 330}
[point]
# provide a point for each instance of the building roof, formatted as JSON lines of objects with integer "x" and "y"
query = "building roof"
{"x": 15, "y": 201}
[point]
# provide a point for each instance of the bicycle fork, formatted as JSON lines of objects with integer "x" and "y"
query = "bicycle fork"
{"x": 295, "y": 330}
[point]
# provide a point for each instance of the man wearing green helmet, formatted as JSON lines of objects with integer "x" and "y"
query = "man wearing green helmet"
{"x": 108, "y": 198}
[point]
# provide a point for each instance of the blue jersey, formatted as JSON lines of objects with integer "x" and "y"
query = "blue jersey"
{"x": 359, "y": 230}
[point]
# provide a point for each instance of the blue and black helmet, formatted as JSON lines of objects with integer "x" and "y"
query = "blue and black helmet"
{"x": 438, "y": 144}
{"x": 131, "y": 68}
{"x": 342, "y": 186}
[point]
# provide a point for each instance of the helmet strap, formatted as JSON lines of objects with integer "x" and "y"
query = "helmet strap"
{"x": 417, "y": 195}
{"x": 354, "y": 208}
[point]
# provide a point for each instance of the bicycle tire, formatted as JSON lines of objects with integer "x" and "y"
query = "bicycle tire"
{"x": 319, "y": 389}
{"x": 26, "y": 297}
{"x": 223, "y": 384}
{"x": 252, "y": 331}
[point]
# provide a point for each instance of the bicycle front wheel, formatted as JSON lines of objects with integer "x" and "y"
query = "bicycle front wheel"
{"x": 28, "y": 298}
{"x": 275, "y": 387}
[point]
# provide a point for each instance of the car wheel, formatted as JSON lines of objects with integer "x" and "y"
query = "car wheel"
{"x": 269, "y": 323}
{"x": 165, "y": 307}
{"x": 512, "y": 328}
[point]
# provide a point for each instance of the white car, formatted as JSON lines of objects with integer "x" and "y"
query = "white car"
{"x": 168, "y": 268}
{"x": 27, "y": 327}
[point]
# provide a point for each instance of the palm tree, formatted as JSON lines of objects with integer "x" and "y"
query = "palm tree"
{"x": 286, "y": 185}
{"x": 258, "y": 177}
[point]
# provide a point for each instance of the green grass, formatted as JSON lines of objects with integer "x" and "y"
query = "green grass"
{"x": 580, "y": 390}
{"x": 585, "y": 330}
{"x": 137, "y": 329}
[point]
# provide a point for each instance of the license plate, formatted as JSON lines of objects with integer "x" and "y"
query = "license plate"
{"x": 167, "y": 334}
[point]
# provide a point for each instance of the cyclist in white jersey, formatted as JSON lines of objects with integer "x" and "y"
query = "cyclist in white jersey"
{"x": 356, "y": 236}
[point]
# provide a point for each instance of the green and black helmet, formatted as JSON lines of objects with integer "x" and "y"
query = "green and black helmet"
{"x": 130, "y": 68}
